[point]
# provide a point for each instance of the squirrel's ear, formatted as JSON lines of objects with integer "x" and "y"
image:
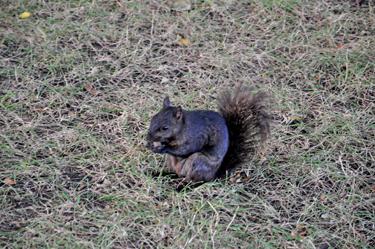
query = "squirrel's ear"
{"x": 178, "y": 113}
{"x": 166, "y": 102}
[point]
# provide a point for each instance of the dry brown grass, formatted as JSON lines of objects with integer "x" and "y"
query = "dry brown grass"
{"x": 83, "y": 177}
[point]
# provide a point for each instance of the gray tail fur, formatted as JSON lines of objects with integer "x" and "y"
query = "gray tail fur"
{"x": 248, "y": 124}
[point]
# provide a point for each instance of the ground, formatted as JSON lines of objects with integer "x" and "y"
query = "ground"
{"x": 80, "y": 81}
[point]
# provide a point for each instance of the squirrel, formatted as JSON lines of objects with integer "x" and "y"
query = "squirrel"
{"x": 202, "y": 145}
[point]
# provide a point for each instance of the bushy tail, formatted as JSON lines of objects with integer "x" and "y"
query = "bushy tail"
{"x": 248, "y": 124}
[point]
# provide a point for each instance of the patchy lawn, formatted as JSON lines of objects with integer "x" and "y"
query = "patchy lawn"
{"x": 80, "y": 80}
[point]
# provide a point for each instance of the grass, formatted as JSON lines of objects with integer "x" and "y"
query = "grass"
{"x": 83, "y": 176}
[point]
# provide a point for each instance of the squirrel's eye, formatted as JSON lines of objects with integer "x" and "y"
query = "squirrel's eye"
{"x": 164, "y": 128}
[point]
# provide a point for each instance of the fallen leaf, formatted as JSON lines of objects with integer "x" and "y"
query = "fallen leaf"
{"x": 325, "y": 216}
{"x": 296, "y": 117}
{"x": 91, "y": 90}
{"x": 316, "y": 77}
{"x": 164, "y": 80}
{"x": 373, "y": 188}
{"x": 245, "y": 178}
{"x": 322, "y": 197}
{"x": 38, "y": 109}
{"x": 182, "y": 41}
{"x": 234, "y": 178}
{"x": 9, "y": 181}
{"x": 181, "y": 5}
{"x": 338, "y": 45}
{"x": 24, "y": 14}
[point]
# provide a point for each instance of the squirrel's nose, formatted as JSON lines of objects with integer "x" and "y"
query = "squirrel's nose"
{"x": 149, "y": 145}
{"x": 148, "y": 137}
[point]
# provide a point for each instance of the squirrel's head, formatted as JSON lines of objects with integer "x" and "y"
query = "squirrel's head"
{"x": 165, "y": 127}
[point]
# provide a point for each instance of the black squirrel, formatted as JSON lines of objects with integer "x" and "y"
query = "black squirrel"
{"x": 202, "y": 144}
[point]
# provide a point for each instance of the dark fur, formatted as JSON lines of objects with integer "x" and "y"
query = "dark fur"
{"x": 198, "y": 143}
{"x": 248, "y": 124}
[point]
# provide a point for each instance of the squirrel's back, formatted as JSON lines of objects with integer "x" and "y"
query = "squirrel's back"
{"x": 248, "y": 124}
